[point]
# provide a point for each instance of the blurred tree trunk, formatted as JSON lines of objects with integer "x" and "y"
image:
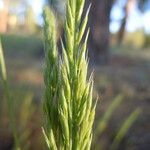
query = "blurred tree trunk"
{"x": 4, "y": 16}
{"x": 127, "y": 8}
{"x": 99, "y": 23}
{"x": 99, "y": 20}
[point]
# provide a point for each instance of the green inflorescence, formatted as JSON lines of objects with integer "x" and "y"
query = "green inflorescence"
{"x": 68, "y": 107}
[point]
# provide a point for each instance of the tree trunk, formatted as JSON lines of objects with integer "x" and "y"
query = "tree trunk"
{"x": 127, "y": 8}
{"x": 99, "y": 20}
{"x": 99, "y": 24}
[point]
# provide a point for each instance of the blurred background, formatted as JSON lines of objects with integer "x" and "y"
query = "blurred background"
{"x": 119, "y": 51}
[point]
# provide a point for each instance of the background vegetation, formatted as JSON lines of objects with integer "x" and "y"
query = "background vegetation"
{"x": 121, "y": 62}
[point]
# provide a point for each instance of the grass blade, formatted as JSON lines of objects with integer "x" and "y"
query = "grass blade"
{"x": 102, "y": 124}
{"x": 124, "y": 128}
{"x": 8, "y": 97}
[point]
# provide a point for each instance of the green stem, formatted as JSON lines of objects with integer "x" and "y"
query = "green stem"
{"x": 8, "y": 97}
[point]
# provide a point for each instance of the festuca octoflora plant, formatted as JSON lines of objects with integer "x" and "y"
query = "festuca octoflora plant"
{"x": 68, "y": 107}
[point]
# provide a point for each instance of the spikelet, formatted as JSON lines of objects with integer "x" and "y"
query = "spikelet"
{"x": 68, "y": 105}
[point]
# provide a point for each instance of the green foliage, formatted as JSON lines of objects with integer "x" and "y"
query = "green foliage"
{"x": 24, "y": 114}
{"x": 2, "y": 64}
{"x": 8, "y": 98}
{"x": 147, "y": 41}
{"x": 68, "y": 109}
{"x": 124, "y": 128}
{"x": 104, "y": 121}
{"x": 102, "y": 124}
{"x": 22, "y": 45}
{"x": 135, "y": 39}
